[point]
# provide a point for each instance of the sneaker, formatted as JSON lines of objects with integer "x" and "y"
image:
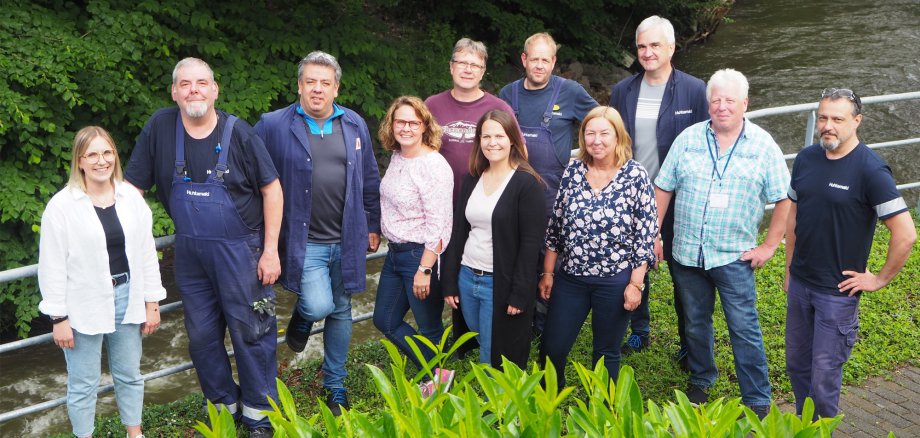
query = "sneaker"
{"x": 336, "y": 399}
{"x": 634, "y": 344}
{"x": 697, "y": 394}
{"x": 427, "y": 388}
{"x": 296, "y": 339}
{"x": 443, "y": 378}
{"x": 261, "y": 432}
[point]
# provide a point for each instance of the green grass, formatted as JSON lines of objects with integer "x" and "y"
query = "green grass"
{"x": 889, "y": 336}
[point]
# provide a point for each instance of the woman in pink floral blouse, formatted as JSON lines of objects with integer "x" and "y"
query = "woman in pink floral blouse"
{"x": 415, "y": 201}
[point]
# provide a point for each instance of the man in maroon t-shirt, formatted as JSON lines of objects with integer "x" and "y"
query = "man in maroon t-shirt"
{"x": 457, "y": 110}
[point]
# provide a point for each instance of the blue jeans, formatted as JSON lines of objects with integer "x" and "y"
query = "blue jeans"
{"x": 476, "y": 300}
{"x": 322, "y": 296}
{"x": 821, "y": 329}
{"x": 395, "y": 298}
{"x": 640, "y": 319}
{"x": 735, "y": 284}
{"x": 84, "y": 370}
{"x": 572, "y": 298}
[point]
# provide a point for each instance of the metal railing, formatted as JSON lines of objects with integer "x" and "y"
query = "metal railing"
{"x": 32, "y": 270}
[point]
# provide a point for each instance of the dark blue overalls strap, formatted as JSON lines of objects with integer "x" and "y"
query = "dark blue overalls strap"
{"x": 180, "y": 145}
{"x": 227, "y": 134}
{"x": 548, "y": 113}
{"x": 221, "y": 167}
{"x": 514, "y": 98}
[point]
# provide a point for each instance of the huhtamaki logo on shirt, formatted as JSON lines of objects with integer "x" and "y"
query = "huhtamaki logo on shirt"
{"x": 838, "y": 186}
{"x": 195, "y": 193}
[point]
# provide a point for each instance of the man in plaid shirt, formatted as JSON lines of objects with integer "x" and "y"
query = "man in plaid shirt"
{"x": 723, "y": 172}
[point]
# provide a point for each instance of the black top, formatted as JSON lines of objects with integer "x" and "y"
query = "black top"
{"x": 114, "y": 239}
{"x": 250, "y": 167}
{"x": 838, "y": 203}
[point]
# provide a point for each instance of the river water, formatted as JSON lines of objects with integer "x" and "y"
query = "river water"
{"x": 789, "y": 50}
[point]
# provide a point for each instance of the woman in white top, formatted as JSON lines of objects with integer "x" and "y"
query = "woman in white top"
{"x": 490, "y": 269}
{"x": 415, "y": 205}
{"x": 100, "y": 280}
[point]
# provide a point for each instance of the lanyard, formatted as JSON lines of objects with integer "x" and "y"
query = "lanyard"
{"x": 715, "y": 167}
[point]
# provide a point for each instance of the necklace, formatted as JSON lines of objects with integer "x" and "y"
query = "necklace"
{"x": 108, "y": 199}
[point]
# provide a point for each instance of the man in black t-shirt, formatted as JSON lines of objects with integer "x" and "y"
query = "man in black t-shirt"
{"x": 219, "y": 185}
{"x": 840, "y": 188}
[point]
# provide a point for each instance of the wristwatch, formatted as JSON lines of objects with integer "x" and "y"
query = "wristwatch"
{"x": 424, "y": 269}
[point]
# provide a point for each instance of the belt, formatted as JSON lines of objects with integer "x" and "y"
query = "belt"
{"x": 481, "y": 273}
{"x": 406, "y": 246}
{"x": 119, "y": 279}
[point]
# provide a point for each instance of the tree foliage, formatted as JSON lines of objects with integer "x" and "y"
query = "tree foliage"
{"x": 109, "y": 63}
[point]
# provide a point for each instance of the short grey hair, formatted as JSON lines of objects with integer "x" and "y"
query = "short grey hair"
{"x": 657, "y": 22}
{"x": 475, "y": 47}
{"x": 188, "y": 61}
{"x": 727, "y": 77}
{"x": 320, "y": 58}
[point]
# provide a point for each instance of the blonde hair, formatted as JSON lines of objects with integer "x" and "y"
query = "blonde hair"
{"x": 431, "y": 136}
{"x": 622, "y": 151}
{"x": 541, "y": 36}
{"x": 81, "y": 143}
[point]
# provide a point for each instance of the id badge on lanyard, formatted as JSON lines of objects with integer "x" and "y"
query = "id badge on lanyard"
{"x": 718, "y": 197}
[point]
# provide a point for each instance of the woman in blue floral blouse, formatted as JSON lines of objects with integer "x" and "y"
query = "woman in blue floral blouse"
{"x": 603, "y": 225}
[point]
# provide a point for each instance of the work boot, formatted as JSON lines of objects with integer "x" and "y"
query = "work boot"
{"x": 336, "y": 400}
{"x": 634, "y": 344}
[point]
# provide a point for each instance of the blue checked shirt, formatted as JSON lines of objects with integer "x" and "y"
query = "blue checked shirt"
{"x": 719, "y": 206}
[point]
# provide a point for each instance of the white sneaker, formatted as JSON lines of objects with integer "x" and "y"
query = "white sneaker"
{"x": 443, "y": 378}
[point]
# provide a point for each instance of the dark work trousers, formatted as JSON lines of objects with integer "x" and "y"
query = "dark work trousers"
{"x": 821, "y": 329}
{"x": 216, "y": 272}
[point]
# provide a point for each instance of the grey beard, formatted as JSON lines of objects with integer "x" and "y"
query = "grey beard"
{"x": 196, "y": 113}
{"x": 830, "y": 146}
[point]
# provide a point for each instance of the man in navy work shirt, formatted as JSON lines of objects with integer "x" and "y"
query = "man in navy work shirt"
{"x": 217, "y": 182}
{"x": 324, "y": 154}
{"x": 840, "y": 189}
{"x": 549, "y": 110}
{"x": 656, "y": 105}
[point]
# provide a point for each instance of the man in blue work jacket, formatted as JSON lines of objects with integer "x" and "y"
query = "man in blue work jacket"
{"x": 657, "y": 104}
{"x": 325, "y": 157}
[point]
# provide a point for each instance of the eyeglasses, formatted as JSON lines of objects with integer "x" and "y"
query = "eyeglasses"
{"x": 843, "y": 93}
{"x": 475, "y": 68}
{"x": 93, "y": 157}
{"x": 413, "y": 124}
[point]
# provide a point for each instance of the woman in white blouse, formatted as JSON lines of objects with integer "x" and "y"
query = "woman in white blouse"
{"x": 490, "y": 270}
{"x": 415, "y": 204}
{"x": 100, "y": 280}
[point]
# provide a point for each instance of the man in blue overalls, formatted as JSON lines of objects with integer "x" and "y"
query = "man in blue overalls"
{"x": 331, "y": 211}
{"x": 217, "y": 182}
{"x": 549, "y": 109}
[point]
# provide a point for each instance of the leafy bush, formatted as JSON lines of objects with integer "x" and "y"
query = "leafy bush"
{"x": 512, "y": 403}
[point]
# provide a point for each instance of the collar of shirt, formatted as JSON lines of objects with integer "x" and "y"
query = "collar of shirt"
{"x": 327, "y": 125}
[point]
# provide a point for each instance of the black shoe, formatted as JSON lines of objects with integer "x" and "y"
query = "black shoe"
{"x": 682, "y": 358}
{"x": 762, "y": 411}
{"x": 261, "y": 432}
{"x": 296, "y": 339}
{"x": 634, "y": 344}
{"x": 336, "y": 400}
{"x": 697, "y": 394}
